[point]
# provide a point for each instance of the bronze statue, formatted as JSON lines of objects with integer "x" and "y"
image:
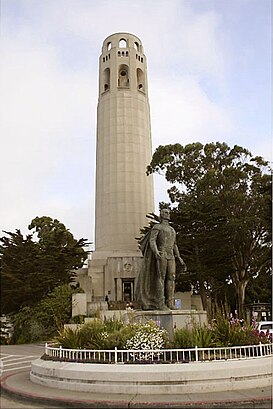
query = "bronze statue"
{"x": 156, "y": 281}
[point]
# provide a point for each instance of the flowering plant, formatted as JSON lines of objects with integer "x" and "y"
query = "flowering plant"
{"x": 148, "y": 336}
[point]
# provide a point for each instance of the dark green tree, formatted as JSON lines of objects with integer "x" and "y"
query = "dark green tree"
{"x": 221, "y": 208}
{"x": 259, "y": 289}
{"x": 32, "y": 267}
{"x": 200, "y": 227}
{"x": 42, "y": 321}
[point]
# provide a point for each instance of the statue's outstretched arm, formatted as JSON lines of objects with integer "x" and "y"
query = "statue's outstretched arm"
{"x": 177, "y": 255}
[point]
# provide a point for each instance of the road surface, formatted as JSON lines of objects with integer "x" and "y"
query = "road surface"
{"x": 15, "y": 358}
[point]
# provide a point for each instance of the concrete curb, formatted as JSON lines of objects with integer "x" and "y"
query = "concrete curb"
{"x": 151, "y": 379}
{"x": 27, "y": 391}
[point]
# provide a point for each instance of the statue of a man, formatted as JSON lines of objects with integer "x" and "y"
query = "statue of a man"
{"x": 156, "y": 282}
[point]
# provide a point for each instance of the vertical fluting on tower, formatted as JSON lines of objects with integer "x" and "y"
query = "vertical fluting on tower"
{"x": 124, "y": 193}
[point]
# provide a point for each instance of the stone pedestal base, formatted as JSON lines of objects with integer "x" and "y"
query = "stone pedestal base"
{"x": 173, "y": 319}
{"x": 169, "y": 320}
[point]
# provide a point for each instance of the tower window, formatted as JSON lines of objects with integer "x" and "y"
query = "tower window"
{"x": 140, "y": 79}
{"x": 136, "y": 46}
{"x": 119, "y": 53}
{"x": 123, "y": 76}
{"x": 109, "y": 46}
{"x": 106, "y": 79}
{"x": 122, "y": 43}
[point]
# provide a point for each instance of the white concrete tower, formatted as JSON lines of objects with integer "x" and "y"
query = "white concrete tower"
{"x": 124, "y": 193}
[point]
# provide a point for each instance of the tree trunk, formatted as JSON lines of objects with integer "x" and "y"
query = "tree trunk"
{"x": 240, "y": 287}
{"x": 203, "y": 294}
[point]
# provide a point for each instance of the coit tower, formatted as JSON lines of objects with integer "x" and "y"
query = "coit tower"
{"x": 124, "y": 193}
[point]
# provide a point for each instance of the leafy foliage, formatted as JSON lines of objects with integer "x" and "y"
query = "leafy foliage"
{"x": 221, "y": 200}
{"x": 98, "y": 334}
{"x": 40, "y": 322}
{"x": 30, "y": 268}
{"x": 221, "y": 333}
{"x": 183, "y": 338}
{"x": 230, "y": 334}
{"x": 260, "y": 288}
{"x": 109, "y": 334}
{"x": 70, "y": 339}
{"x": 5, "y": 330}
{"x": 93, "y": 334}
{"x": 203, "y": 336}
{"x": 200, "y": 336}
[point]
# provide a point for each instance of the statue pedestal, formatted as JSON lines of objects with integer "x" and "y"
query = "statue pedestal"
{"x": 172, "y": 319}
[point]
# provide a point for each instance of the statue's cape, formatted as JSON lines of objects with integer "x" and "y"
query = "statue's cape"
{"x": 146, "y": 288}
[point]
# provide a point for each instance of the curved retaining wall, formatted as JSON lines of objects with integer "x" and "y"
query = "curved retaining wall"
{"x": 154, "y": 378}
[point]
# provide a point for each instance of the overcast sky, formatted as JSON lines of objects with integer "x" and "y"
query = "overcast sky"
{"x": 209, "y": 72}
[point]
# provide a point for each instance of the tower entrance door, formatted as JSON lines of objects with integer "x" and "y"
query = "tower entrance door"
{"x": 127, "y": 289}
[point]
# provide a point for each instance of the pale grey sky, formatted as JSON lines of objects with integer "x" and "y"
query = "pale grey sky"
{"x": 209, "y": 74}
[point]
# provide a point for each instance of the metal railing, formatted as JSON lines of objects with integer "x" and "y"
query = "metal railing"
{"x": 115, "y": 356}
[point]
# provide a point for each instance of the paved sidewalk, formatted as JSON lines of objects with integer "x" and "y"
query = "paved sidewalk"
{"x": 19, "y": 386}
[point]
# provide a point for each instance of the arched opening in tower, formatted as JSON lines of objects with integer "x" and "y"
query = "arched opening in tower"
{"x": 140, "y": 80}
{"x": 123, "y": 76}
{"x": 136, "y": 46}
{"x": 106, "y": 79}
{"x": 122, "y": 43}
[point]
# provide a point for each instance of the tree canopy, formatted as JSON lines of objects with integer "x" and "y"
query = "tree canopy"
{"x": 221, "y": 210}
{"x": 31, "y": 267}
{"x": 42, "y": 320}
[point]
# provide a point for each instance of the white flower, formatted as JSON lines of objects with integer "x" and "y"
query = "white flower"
{"x": 147, "y": 337}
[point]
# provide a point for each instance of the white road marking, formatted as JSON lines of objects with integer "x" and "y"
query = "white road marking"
{"x": 18, "y": 357}
{"x": 17, "y": 363}
{"x": 17, "y": 368}
{"x": 13, "y": 363}
{"x": 7, "y": 356}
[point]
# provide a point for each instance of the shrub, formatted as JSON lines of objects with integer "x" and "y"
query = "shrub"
{"x": 113, "y": 325}
{"x": 147, "y": 336}
{"x": 203, "y": 336}
{"x": 183, "y": 338}
{"x": 71, "y": 339}
{"x": 200, "y": 336}
{"x": 93, "y": 334}
{"x": 234, "y": 334}
{"x": 77, "y": 319}
{"x": 119, "y": 337}
{"x": 38, "y": 323}
{"x": 225, "y": 334}
{"x": 229, "y": 334}
{"x": 97, "y": 334}
{"x": 250, "y": 336}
